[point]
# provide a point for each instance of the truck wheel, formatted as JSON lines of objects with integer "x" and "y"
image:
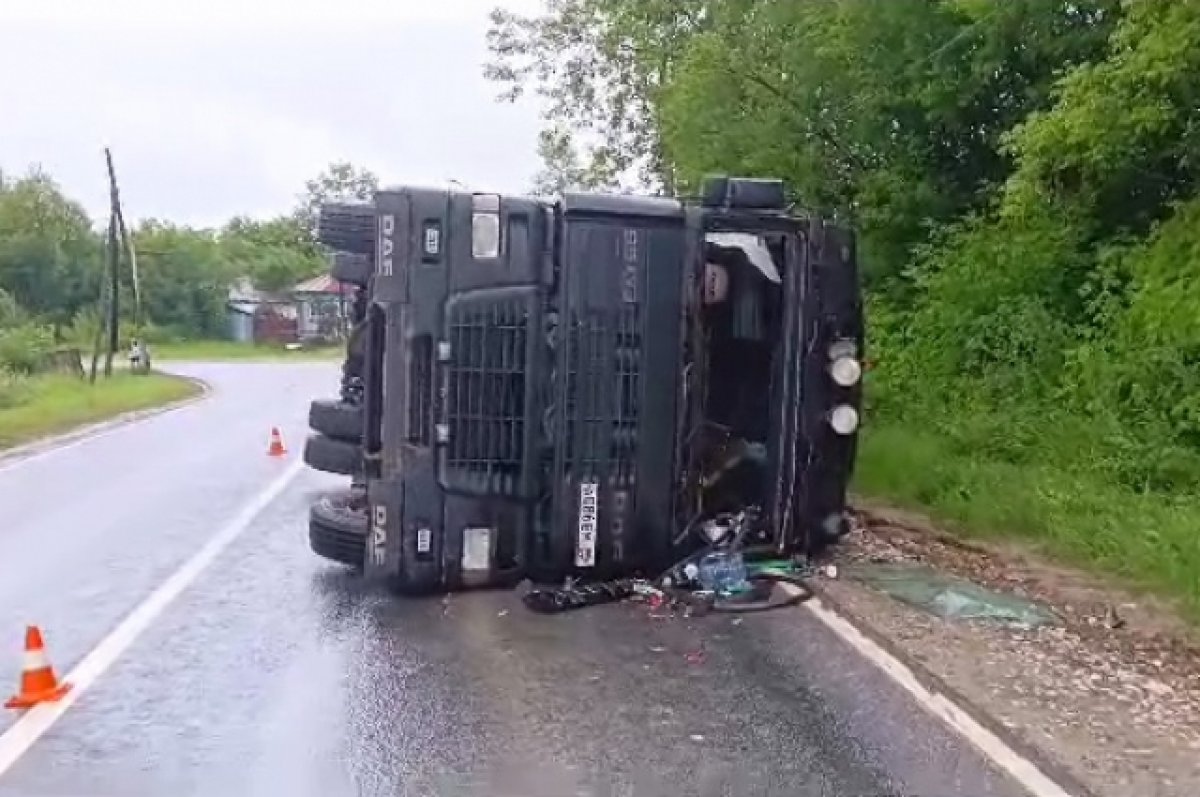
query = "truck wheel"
{"x": 336, "y": 419}
{"x": 347, "y": 227}
{"x": 337, "y": 528}
{"x": 332, "y": 456}
{"x": 351, "y": 268}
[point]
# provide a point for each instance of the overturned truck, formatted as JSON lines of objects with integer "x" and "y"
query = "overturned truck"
{"x": 594, "y": 387}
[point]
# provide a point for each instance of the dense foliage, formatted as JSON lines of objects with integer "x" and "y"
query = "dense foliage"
{"x": 1023, "y": 177}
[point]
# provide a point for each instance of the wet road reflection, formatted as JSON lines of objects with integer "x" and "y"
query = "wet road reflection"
{"x": 279, "y": 674}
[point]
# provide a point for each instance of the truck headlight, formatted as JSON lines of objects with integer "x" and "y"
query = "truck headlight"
{"x": 845, "y": 371}
{"x": 844, "y": 419}
{"x": 485, "y": 226}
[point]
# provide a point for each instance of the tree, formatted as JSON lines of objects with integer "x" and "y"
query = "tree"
{"x": 893, "y": 113}
{"x": 49, "y": 254}
{"x": 599, "y": 64}
{"x": 186, "y": 276}
{"x": 340, "y": 182}
{"x": 890, "y": 112}
{"x": 275, "y": 254}
{"x": 276, "y": 268}
{"x": 562, "y": 169}
{"x": 1120, "y": 145}
{"x": 283, "y": 231}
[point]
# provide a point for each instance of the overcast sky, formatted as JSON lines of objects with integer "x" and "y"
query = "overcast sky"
{"x": 222, "y": 107}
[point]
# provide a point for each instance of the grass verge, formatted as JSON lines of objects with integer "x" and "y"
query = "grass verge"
{"x": 1149, "y": 541}
{"x": 224, "y": 351}
{"x": 56, "y": 403}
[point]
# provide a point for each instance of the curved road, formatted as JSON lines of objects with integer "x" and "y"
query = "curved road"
{"x": 274, "y": 673}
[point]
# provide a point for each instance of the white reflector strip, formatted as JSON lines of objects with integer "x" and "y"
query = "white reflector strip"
{"x": 35, "y": 660}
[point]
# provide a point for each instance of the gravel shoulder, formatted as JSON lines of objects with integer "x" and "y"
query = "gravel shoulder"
{"x": 1110, "y": 694}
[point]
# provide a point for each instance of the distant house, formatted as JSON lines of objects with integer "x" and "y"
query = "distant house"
{"x": 321, "y": 308}
{"x": 240, "y": 306}
{"x": 314, "y": 310}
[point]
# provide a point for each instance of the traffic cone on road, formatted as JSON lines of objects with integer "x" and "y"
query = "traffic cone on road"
{"x": 276, "y": 448}
{"x": 38, "y": 684}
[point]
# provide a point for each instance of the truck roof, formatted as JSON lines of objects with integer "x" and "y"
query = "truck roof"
{"x": 622, "y": 204}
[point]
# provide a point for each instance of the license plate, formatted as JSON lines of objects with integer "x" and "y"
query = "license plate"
{"x": 585, "y": 544}
{"x": 477, "y": 549}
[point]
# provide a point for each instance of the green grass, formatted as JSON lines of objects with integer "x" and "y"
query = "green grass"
{"x": 1147, "y": 540}
{"x": 224, "y": 350}
{"x": 57, "y": 403}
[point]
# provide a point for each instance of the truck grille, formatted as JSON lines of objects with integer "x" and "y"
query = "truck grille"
{"x": 485, "y": 398}
{"x": 603, "y": 389}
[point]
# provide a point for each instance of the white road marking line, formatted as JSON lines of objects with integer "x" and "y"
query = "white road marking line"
{"x": 1017, "y": 766}
{"x": 17, "y": 740}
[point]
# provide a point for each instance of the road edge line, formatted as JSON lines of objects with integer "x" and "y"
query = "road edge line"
{"x": 66, "y": 440}
{"x": 24, "y": 733}
{"x": 1039, "y": 777}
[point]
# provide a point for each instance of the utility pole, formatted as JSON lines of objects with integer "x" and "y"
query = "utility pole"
{"x": 114, "y": 293}
{"x": 110, "y": 291}
{"x": 126, "y": 242}
{"x": 101, "y": 314}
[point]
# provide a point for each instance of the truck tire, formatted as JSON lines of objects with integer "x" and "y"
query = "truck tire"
{"x": 336, "y": 419}
{"x": 332, "y": 456}
{"x": 337, "y": 528}
{"x": 347, "y": 227}
{"x": 351, "y": 268}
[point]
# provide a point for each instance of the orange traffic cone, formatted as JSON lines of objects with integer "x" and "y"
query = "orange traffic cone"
{"x": 38, "y": 684}
{"x": 276, "y": 448}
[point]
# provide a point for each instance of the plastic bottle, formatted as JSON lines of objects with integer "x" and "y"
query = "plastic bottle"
{"x": 723, "y": 572}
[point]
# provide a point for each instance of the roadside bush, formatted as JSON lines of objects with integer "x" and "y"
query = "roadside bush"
{"x": 81, "y": 331}
{"x": 11, "y": 313}
{"x": 15, "y": 389}
{"x": 166, "y": 333}
{"x": 24, "y": 348}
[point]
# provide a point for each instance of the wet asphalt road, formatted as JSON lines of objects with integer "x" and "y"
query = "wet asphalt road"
{"x": 278, "y": 674}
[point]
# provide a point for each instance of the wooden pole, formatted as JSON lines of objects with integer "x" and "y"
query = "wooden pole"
{"x": 114, "y": 289}
{"x": 98, "y": 340}
{"x": 126, "y": 242}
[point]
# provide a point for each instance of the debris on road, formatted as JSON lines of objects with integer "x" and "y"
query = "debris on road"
{"x": 949, "y": 597}
{"x": 722, "y": 583}
{"x": 1110, "y": 691}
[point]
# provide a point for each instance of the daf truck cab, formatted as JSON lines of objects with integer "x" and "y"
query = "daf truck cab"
{"x": 593, "y": 387}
